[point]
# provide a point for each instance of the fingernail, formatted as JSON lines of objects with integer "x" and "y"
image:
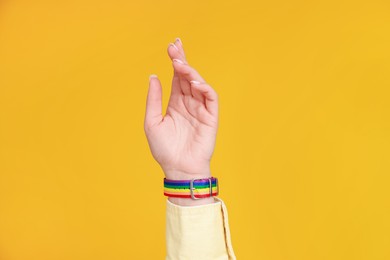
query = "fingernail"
{"x": 174, "y": 46}
{"x": 153, "y": 76}
{"x": 195, "y": 82}
{"x": 178, "y": 61}
{"x": 179, "y": 40}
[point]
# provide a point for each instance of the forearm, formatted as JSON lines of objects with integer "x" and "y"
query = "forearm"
{"x": 196, "y": 228}
{"x": 198, "y": 232}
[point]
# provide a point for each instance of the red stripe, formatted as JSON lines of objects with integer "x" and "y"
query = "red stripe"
{"x": 189, "y": 196}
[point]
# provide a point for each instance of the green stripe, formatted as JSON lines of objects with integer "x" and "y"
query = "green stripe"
{"x": 188, "y": 187}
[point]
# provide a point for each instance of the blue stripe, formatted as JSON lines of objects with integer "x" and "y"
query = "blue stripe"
{"x": 186, "y": 183}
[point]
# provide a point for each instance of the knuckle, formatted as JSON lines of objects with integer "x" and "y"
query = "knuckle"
{"x": 212, "y": 90}
{"x": 187, "y": 71}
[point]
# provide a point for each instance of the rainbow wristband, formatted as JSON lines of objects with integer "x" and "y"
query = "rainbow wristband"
{"x": 194, "y": 188}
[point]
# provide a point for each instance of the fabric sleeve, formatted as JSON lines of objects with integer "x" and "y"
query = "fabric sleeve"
{"x": 198, "y": 232}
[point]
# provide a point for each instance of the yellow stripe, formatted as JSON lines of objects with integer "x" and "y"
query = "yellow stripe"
{"x": 196, "y": 191}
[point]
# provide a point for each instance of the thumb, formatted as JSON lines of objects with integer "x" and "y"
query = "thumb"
{"x": 153, "y": 113}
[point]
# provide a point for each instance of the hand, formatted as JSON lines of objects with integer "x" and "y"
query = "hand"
{"x": 183, "y": 140}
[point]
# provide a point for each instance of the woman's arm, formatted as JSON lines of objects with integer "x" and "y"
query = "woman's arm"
{"x": 182, "y": 142}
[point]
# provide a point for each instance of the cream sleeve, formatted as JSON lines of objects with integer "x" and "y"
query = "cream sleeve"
{"x": 198, "y": 232}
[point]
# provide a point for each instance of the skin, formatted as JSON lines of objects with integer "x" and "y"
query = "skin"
{"x": 182, "y": 141}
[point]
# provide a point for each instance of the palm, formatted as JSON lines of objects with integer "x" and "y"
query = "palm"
{"x": 184, "y": 139}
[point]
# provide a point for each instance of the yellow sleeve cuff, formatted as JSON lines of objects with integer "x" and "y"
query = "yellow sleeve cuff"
{"x": 198, "y": 232}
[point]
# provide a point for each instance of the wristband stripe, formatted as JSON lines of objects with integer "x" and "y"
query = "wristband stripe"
{"x": 189, "y": 196}
{"x": 181, "y": 186}
{"x": 196, "y": 192}
{"x": 186, "y": 182}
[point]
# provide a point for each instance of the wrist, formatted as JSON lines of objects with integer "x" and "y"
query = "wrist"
{"x": 173, "y": 174}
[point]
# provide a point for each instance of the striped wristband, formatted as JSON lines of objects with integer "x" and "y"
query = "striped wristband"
{"x": 194, "y": 188}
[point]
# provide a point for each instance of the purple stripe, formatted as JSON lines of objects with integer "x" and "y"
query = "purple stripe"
{"x": 197, "y": 181}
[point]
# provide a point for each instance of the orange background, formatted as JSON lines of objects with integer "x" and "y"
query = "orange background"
{"x": 304, "y": 141}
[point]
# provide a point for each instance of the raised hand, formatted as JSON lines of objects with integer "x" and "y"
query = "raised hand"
{"x": 182, "y": 141}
